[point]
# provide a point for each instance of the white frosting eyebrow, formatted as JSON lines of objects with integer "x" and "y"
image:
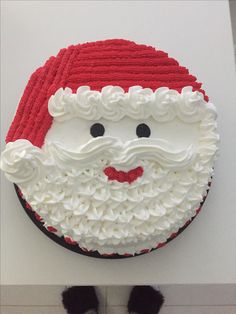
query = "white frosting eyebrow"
{"x": 113, "y": 103}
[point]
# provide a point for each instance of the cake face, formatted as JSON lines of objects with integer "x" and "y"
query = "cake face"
{"x": 120, "y": 171}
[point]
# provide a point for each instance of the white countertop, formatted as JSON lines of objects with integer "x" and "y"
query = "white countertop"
{"x": 198, "y": 35}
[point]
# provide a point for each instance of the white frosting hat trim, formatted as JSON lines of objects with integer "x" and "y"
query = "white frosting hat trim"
{"x": 113, "y": 103}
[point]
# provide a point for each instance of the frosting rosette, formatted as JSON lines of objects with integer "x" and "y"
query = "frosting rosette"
{"x": 113, "y": 104}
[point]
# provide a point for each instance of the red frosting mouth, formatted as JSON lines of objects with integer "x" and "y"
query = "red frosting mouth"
{"x": 122, "y": 176}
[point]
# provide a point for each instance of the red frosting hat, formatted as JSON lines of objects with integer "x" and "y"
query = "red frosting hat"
{"x": 114, "y": 62}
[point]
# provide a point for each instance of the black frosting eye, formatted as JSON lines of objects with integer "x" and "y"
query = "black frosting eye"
{"x": 97, "y": 129}
{"x": 143, "y": 130}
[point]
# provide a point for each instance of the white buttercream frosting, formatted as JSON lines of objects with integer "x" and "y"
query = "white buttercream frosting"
{"x": 69, "y": 190}
{"x": 112, "y": 103}
{"x": 22, "y": 162}
{"x": 128, "y": 153}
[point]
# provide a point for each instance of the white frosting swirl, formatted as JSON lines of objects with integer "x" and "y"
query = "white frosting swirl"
{"x": 112, "y": 103}
{"x": 22, "y": 162}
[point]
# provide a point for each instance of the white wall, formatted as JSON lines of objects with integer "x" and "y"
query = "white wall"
{"x": 233, "y": 21}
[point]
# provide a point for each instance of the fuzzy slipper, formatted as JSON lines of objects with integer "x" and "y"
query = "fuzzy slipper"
{"x": 79, "y": 300}
{"x": 145, "y": 300}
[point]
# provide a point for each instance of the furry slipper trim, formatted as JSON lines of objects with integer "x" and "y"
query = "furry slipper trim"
{"x": 145, "y": 300}
{"x": 79, "y": 300}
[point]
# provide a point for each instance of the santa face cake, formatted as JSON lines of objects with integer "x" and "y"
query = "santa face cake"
{"x": 112, "y": 147}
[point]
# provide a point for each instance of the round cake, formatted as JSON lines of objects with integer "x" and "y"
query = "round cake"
{"x": 112, "y": 148}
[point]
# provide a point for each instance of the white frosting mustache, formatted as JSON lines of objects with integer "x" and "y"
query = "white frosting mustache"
{"x": 122, "y": 154}
{"x": 24, "y": 163}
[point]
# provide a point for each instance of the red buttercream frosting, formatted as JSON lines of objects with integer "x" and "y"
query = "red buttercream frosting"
{"x": 116, "y": 62}
{"x": 122, "y": 176}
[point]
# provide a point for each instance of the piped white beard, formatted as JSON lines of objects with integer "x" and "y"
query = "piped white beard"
{"x": 113, "y": 217}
